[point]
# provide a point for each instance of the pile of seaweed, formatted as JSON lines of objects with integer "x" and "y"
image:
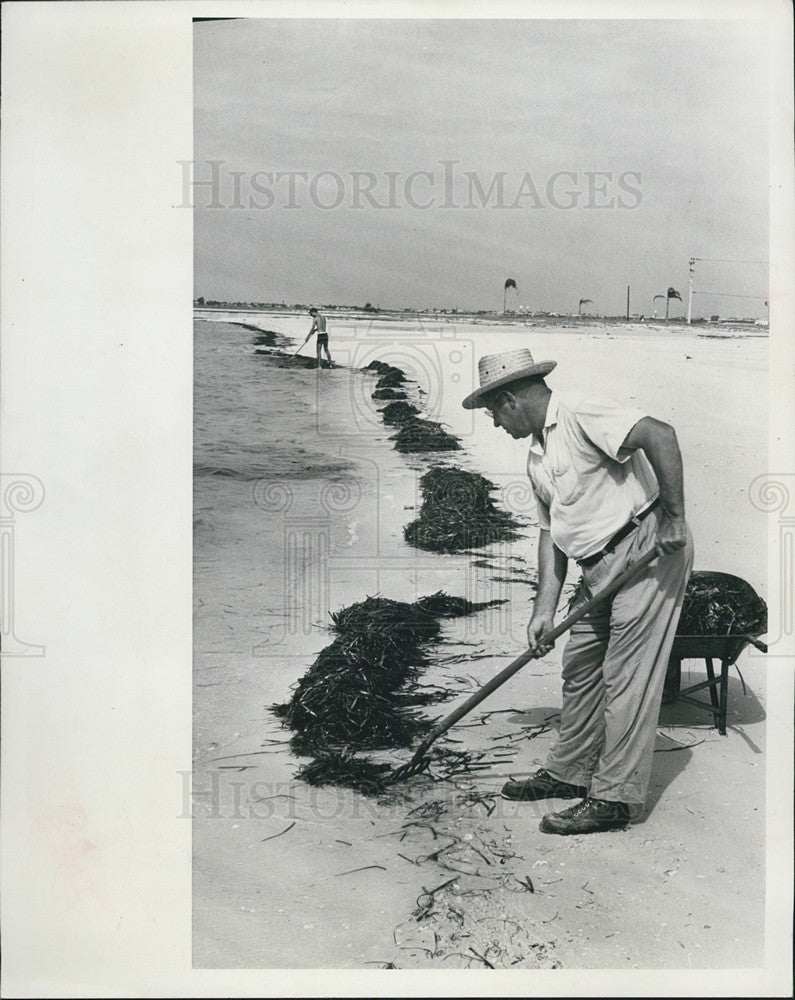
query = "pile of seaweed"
{"x": 458, "y": 513}
{"x": 390, "y": 376}
{"x": 721, "y": 604}
{"x": 282, "y": 360}
{"x": 398, "y": 413}
{"x": 359, "y": 693}
{"x": 415, "y": 434}
{"x": 424, "y": 435}
{"x": 389, "y": 394}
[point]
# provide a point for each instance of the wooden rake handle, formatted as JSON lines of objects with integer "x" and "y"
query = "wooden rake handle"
{"x": 499, "y": 679}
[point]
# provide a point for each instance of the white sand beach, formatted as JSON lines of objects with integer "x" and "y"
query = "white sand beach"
{"x": 289, "y": 876}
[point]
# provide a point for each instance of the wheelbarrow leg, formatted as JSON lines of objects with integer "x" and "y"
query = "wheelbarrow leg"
{"x": 713, "y": 694}
{"x": 724, "y": 695}
{"x": 673, "y": 679}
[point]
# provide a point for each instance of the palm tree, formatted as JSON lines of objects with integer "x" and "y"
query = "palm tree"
{"x": 671, "y": 294}
{"x": 582, "y": 303}
{"x": 509, "y": 283}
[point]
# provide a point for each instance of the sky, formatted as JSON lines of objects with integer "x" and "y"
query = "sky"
{"x": 421, "y": 163}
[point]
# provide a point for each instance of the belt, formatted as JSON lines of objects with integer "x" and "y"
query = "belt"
{"x": 620, "y": 535}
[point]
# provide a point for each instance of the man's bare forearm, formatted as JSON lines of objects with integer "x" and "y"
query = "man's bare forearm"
{"x": 662, "y": 451}
{"x": 658, "y": 441}
{"x": 552, "y": 565}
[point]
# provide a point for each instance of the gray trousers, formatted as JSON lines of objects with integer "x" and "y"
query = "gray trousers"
{"x": 614, "y": 667}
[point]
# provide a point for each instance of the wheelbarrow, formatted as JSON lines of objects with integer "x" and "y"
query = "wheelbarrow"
{"x": 724, "y": 648}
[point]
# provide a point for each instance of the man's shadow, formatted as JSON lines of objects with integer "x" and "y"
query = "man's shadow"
{"x": 674, "y": 752}
{"x": 743, "y": 708}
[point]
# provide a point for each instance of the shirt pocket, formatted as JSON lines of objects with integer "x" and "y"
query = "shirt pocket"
{"x": 567, "y": 478}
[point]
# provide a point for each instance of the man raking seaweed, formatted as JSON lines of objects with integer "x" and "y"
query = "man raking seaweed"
{"x": 607, "y": 480}
{"x": 319, "y": 327}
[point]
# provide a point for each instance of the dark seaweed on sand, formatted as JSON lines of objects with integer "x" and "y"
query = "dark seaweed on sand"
{"x": 389, "y": 394}
{"x": 396, "y": 621}
{"x": 458, "y": 513}
{"x": 353, "y": 692}
{"x": 267, "y": 338}
{"x": 391, "y": 378}
{"x": 414, "y": 434}
{"x": 398, "y": 413}
{"x": 282, "y": 360}
{"x": 720, "y": 604}
{"x": 358, "y": 694}
{"x": 424, "y": 435}
{"x": 346, "y": 770}
{"x": 444, "y": 606}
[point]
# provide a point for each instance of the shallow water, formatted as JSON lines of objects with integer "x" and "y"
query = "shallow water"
{"x": 714, "y": 392}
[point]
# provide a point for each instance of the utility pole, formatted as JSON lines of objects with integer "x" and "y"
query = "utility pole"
{"x": 690, "y": 289}
{"x": 627, "y": 303}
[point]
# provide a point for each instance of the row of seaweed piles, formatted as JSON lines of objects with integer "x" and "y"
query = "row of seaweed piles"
{"x": 720, "y": 604}
{"x": 458, "y": 513}
{"x": 358, "y": 695}
{"x": 414, "y": 434}
{"x": 389, "y": 378}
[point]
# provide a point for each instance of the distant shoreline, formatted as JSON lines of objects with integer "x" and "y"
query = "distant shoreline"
{"x": 744, "y": 327}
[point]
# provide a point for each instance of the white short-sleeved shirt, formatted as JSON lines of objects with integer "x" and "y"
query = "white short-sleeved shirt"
{"x": 584, "y": 491}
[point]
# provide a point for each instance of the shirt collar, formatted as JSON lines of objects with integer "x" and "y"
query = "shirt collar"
{"x": 551, "y": 418}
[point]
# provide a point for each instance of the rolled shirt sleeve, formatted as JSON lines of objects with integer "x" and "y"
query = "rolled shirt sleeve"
{"x": 584, "y": 492}
{"x": 606, "y": 424}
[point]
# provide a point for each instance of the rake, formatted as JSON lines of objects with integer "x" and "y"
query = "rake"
{"x": 420, "y": 760}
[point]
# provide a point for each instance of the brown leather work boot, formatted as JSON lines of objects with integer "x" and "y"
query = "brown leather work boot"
{"x": 542, "y": 785}
{"x": 588, "y": 816}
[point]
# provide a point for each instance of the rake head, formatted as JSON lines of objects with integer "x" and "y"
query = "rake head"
{"x": 418, "y": 763}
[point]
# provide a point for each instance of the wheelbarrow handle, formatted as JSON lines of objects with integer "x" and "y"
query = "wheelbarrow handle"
{"x": 507, "y": 672}
{"x": 762, "y": 646}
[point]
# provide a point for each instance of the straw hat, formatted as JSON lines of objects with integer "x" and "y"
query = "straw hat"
{"x": 496, "y": 370}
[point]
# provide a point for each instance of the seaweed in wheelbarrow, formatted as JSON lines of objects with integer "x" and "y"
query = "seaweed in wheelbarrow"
{"x": 720, "y": 604}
